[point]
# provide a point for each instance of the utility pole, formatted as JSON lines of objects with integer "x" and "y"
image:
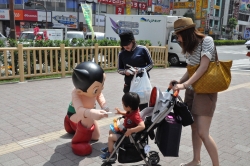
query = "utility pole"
{"x": 78, "y": 18}
{"x": 138, "y": 8}
{"x": 12, "y": 20}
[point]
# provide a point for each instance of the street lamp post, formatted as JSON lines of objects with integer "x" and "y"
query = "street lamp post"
{"x": 222, "y": 24}
{"x": 30, "y": 3}
{"x": 138, "y": 7}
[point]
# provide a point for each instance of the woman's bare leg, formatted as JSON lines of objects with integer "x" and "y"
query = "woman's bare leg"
{"x": 197, "y": 143}
{"x": 200, "y": 134}
{"x": 204, "y": 123}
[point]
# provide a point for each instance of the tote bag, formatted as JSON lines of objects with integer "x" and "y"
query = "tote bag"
{"x": 217, "y": 78}
{"x": 141, "y": 86}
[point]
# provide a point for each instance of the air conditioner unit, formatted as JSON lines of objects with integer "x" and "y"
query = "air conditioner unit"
{"x": 216, "y": 27}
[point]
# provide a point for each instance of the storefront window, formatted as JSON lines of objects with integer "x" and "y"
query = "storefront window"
{"x": 3, "y": 4}
{"x": 103, "y": 8}
{"x": 60, "y": 5}
{"x": 18, "y": 4}
{"x": 50, "y": 6}
{"x": 38, "y": 6}
{"x": 71, "y": 5}
{"x": 217, "y": 13}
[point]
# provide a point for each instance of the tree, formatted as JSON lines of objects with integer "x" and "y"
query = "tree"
{"x": 232, "y": 23}
{"x": 189, "y": 13}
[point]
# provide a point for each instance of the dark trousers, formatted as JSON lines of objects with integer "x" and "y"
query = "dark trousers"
{"x": 141, "y": 106}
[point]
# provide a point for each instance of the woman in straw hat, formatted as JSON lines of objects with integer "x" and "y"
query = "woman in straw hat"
{"x": 199, "y": 49}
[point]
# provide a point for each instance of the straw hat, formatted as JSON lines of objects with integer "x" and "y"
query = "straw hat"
{"x": 183, "y": 24}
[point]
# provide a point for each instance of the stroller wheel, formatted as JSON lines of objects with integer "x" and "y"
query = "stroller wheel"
{"x": 153, "y": 158}
{"x": 106, "y": 164}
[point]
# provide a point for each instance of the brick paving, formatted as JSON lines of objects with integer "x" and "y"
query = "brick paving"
{"x": 32, "y": 113}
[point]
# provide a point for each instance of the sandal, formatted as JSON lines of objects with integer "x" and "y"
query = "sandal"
{"x": 185, "y": 164}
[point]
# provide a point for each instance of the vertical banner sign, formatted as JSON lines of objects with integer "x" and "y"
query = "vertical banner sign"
{"x": 204, "y": 14}
{"x": 207, "y": 22}
{"x": 128, "y": 7}
{"x": 149, "y": 2}
{"x": 198, "y": 9}
{"x": 119, "y": 10}
{"x": 211, "y": 9}
{"x": 204, "y": 4}
{"x": 87, "y": 13}
{"x": 171, "y": 5}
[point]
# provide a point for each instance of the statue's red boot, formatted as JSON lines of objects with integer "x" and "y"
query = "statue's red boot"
{"x": 69, "y": 126}
{"x": 80, "y": 142}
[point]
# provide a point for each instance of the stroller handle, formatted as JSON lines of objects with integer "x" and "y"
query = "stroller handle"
{"x": 176, "y": 92}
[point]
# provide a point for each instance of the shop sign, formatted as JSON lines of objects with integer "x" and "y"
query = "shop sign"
{"x": 205, "y": 4}
{"x": 149, "y": 2}
{"x": 113, "y": 2}
{"x": 217, "y": 7}
{"x": 60, "y": 19}
{"x": 24, "y": 26}
{"x": 198, "y": 9}
{"x": 119, "y": 10}
{"x": 41, "y": 16}
{"x": 18, "y": 14}
{"x": 142, "y": 5}
{"x": 183, "y": 5}
{"x": 203, "y": 14}
{"x": 203, "y": 23}
{"x": 128, "y": 7}
{"x": 100, "y": 20}
{"x": 207, "y": 21}
{"x": 30, "y": 15}
{"x": 158, "y": 9}
{"x": 211, "y": 8}
{"x": 4, "y": 14}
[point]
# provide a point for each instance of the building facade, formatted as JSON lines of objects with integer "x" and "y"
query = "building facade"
{"x": 209, "y": 15}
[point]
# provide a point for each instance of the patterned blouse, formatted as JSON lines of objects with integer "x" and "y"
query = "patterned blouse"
{"x": 206, "y": 48}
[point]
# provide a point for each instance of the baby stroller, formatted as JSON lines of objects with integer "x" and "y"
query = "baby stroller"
{"x": 135, "y": 147}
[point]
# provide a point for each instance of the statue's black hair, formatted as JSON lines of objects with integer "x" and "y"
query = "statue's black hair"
{"x": 85, "y": 74}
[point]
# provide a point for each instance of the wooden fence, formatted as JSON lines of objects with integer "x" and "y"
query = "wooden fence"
{"x": 26, "y": 62}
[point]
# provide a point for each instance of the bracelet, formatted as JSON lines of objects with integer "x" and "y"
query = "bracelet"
{"x": 185, "y": 86}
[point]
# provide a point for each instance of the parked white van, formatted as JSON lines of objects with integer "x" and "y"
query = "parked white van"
{"x": 53, "y": 34}
{"x": 74, "y": 35}
{"x": 98, "y": 35}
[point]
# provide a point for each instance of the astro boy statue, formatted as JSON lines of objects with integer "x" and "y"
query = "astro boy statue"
{"x": 88, "y": 79}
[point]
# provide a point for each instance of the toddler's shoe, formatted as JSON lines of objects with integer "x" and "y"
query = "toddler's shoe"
{"x": 104, "y": 150}
{"x": 106, "y": 155}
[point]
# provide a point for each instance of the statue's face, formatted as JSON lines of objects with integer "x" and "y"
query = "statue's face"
{"x": 95, "y": 89}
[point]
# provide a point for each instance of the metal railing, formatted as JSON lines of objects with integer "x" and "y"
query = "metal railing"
{"x": 26, "y": 62}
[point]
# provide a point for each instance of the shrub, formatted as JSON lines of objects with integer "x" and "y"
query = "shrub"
{"x": 229, "y": 42}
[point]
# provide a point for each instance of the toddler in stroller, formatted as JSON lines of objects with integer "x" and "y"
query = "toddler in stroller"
{"x": 132, "y": 124}
{"x": 135, "y": 147}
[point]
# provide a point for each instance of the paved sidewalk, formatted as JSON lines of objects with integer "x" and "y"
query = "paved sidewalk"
{"x": 32, "y": 114}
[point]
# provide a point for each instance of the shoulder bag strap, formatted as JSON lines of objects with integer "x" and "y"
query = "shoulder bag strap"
{"x": 201, "y": 49}
{"x": 216, "y": 54}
